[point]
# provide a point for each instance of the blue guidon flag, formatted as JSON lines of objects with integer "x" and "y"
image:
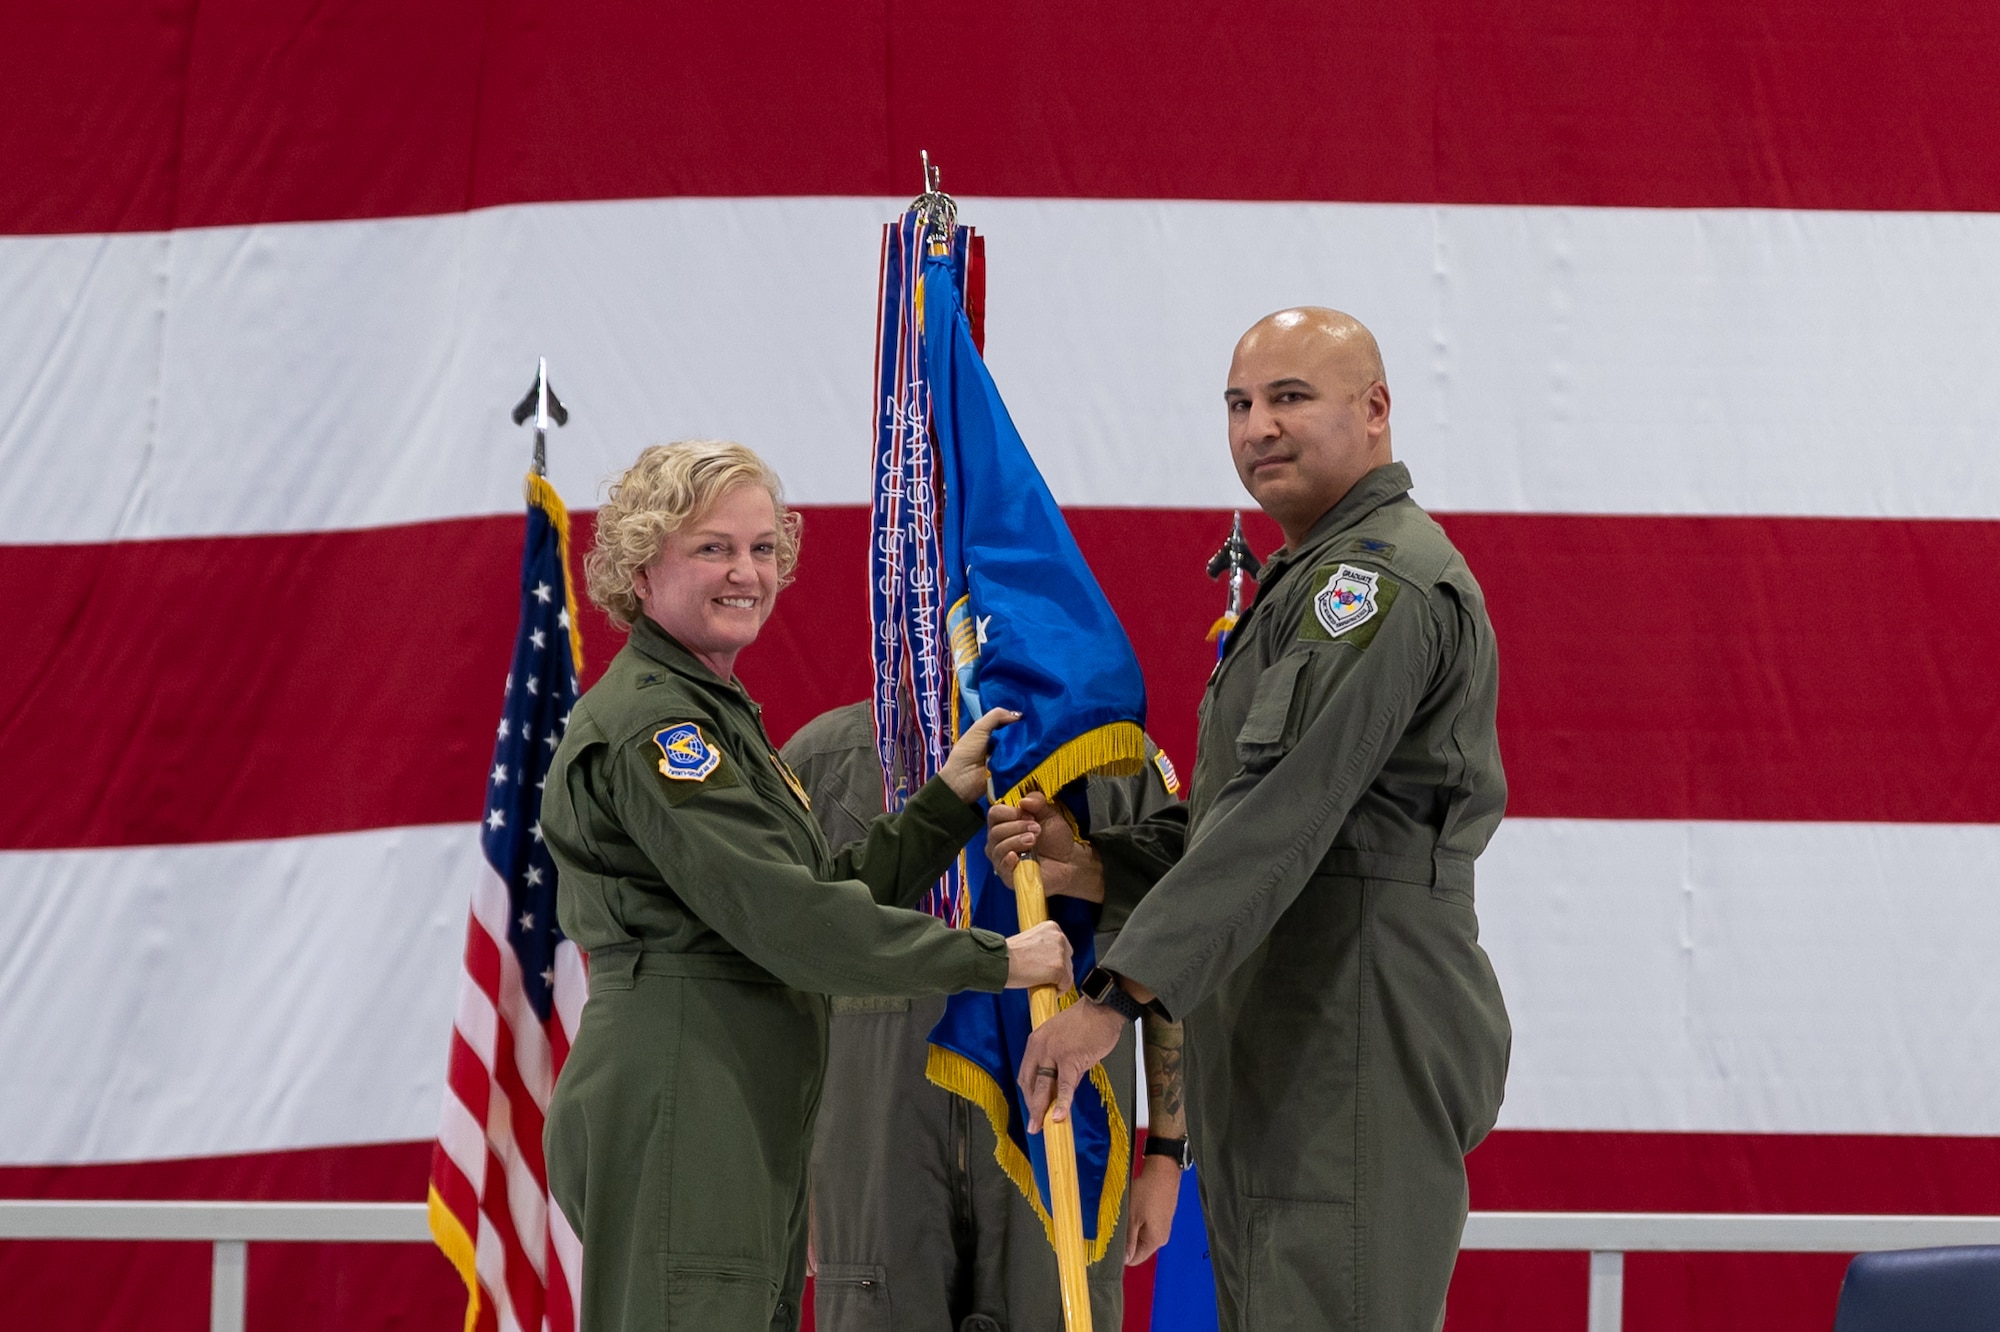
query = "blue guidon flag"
{"x": 523, "y": 988}
{"x": 981, "y": 599}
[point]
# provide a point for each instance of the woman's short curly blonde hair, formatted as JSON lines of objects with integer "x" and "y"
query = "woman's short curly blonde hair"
{"x": 670, "y": 485}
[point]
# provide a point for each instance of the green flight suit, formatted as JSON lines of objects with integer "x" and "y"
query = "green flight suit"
{"x": 1313, "y": 920}
{"x": 717, "y": 922}
{"x": 917, "y": 1227}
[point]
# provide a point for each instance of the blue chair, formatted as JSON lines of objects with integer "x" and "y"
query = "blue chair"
{"x": 1922, "y": 1290}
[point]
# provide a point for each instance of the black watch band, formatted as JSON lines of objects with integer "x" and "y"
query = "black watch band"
{"x": 1177, "y": 1148}
{"x": 1102, "y": 987}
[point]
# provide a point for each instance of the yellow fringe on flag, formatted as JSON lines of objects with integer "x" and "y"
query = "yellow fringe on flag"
{"x": 458, "y": 1248}
{"x": 1116, "y": 750}
{"x": 543, "y": 496}
{"x": 956, "y": 1074}
{"x": 1223, "y": 625}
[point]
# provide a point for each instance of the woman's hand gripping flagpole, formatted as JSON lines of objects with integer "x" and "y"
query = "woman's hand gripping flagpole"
{"x": 1031, "y": 905}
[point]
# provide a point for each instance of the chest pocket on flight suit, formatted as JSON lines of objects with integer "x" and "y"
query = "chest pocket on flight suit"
{"x": 1268, "y": 728}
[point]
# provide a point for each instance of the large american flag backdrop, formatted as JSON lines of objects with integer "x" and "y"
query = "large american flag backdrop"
{"x": 1692, "y": 313}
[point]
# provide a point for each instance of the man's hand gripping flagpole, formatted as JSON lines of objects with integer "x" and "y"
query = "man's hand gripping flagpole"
{"x": 1031, "y": 905}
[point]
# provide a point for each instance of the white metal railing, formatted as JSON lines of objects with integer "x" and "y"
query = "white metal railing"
{"x": 229, "y": 1226}
{"x": 1609, "y": 1236}
{"x": 1606, "y": 1236}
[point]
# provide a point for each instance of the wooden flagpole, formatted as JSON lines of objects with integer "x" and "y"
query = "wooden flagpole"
{"x": 1058, "y": 1139}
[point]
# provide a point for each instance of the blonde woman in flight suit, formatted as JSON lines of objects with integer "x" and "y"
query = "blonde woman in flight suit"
{"x": 717, "y": 919}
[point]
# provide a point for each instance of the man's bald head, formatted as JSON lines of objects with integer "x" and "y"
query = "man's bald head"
{"x": 1308, "y": 412}
{"x": 1331, "y": 333}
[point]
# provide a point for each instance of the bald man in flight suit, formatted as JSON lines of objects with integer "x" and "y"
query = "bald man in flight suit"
{"x": 1311, "y": 913}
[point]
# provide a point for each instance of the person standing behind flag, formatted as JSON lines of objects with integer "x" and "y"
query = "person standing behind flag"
{"x": 916, "y": 1226}
{"x": 717, "y": 920}
{"x": 1311, "y": 917}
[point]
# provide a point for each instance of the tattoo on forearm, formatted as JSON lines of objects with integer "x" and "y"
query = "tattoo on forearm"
{"x": 1166, "y": 1087}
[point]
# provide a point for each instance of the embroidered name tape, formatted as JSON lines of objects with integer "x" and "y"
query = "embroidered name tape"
{"x": 1348, "y": 600}
{"x": 684, "y": 755}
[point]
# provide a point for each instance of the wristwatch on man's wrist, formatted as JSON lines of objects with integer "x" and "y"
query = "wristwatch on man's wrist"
{"x": 1102, "y": 987}
{"x": 1176, "y": 1148}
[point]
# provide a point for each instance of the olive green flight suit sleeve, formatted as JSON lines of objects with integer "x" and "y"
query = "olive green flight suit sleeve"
{"x": 899, "y": 857}
{"x": 1143, "y": 831}
{"x": 1136, "y": 856}
{"x": 728, "y": 855}
{"x": 903, "y": 854}
{"x": 1319, "y": 729}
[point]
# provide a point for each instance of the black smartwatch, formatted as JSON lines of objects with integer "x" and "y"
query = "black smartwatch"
{"x": 1177, "y": 1148}
{"x": 1102, "y": 987}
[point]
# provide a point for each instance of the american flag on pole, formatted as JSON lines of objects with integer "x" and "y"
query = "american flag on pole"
{"x": 523, "y": 987}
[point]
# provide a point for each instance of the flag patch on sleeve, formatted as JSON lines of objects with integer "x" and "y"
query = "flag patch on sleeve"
{"x": 685, "y": 756}
{"x": 1168, "y": 777}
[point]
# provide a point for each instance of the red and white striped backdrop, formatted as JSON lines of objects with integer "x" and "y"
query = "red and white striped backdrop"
{"x": 1691, "y": 313}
